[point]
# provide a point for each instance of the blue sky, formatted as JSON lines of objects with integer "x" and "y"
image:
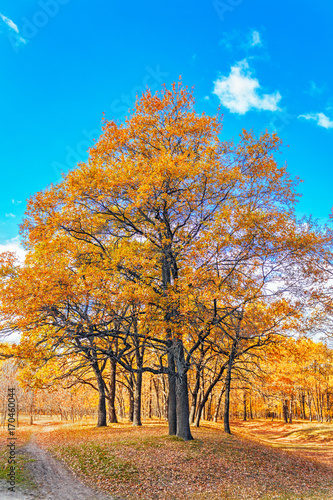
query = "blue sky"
{"x": 65, "y": 62}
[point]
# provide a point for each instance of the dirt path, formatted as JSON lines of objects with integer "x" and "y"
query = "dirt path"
{"x": 54, "y": 480}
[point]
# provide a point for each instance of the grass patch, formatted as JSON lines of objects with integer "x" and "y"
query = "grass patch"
{"x": 94, "y": 459}
{"x": 175, "y": 439}
{"x": 23, "y": 478}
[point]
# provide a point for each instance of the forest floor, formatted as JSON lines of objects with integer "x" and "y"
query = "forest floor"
{"x": 262, "y": 460}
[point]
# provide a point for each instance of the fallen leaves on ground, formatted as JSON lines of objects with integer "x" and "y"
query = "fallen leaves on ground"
{"x": 144, "y": 463}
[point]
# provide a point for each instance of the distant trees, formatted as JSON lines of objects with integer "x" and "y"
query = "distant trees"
{"x": 299, "y": 377}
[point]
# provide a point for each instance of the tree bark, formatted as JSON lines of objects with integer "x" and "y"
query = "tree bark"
{"x": 228, "y": 387}
{"x": 310, "y": 406}
{"x": 291, "y": 411}
{"x": 112, "y": 392}
{"x": 32, "y": 408}
{"x": 195, "y": 395}
{"x": 328, "y": 407}
{"x": 251, "y": 414}
{"x": 165, "y": 400}
{"x": 172, "y": 398}
{"x": 150, "y": 399}
{"x": 137, "y": 400}
{"x": 285, "y": 411}
{"x": 207, "y": 393}
{"x": 139, "y": 353}
{"x": 157, "y": 392}
{"x": 183, "y": 410}
{"x": 101, "y": 419}
{"x": 209, "y": 409}
{"x": 303, "y": 406}
{"x": 218, "y": 404}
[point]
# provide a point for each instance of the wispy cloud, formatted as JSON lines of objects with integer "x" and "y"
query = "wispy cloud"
{"x": 320, "y": 118}
{"x": 230, "y": 39}
{"x": 9, "y": 23}
{"x": 240, "y": 91}
{"x": 21, "y": 41}
{"x": 16, "y": 38}
{"x": 314, "y": 89}
{"x": 255, "y": 40}
{"x": 238, "y": 40}
{"x": 11, "y": 215}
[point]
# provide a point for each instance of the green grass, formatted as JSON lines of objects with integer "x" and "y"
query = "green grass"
{"x": 23, "y": 477}
{"x": 94, "y": 459}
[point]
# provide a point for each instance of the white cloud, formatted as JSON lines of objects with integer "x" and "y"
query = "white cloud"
{"x": 13, "y": 245}
{"x": 255, "y": 39}
{"x": 230, "y": 39}
{"x": 16, "y": 201}
{"x": 10, "y": 215}
{"x": 239, "y": 91}
{"x": 236, "y": 39}
{"x": 9, "y": 23}
{"x": 320, "y": 118}
{"x": 16, "y": 38}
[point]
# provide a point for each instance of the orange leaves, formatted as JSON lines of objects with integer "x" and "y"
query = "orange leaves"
{"x": 294, "y": 365}
{"x": 8, "y": 263}
{"x": 167, "y": 217}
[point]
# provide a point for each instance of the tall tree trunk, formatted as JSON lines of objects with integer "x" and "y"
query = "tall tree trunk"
{"x": 183, "y": 410}
{"x": 157, "y": 392}
{"x": 131, "y": 404}
{"x": 165, "y": 400}
{"x": 310, "y": 406}
{"x": 291, "y": 410}
{"x": 150, "y": 398}
{"x": 139, "y": 352}
{"x": 228, "y": 386}
{"x": 321, "y": 407}
{"x": 137, "y": 400}
{"x": 328, "y": 407}
{"x": 130, "y": 387}
{"x": 218, "y": 404}
{"x": 251, "y": 413}
{"x": 209, "y": 408}
{"x": 303, "y": 406}
{"x": 32, "y": 404}
{"x": 101, "y": 412}
{"x": 244, "y": 407}
{"x": 285, "y": 411}
{"x": 207, "y": 393}
{"x": 195, "y": 394}
{"x": 172, "y": 399}
{"x": 112, "y": 392}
